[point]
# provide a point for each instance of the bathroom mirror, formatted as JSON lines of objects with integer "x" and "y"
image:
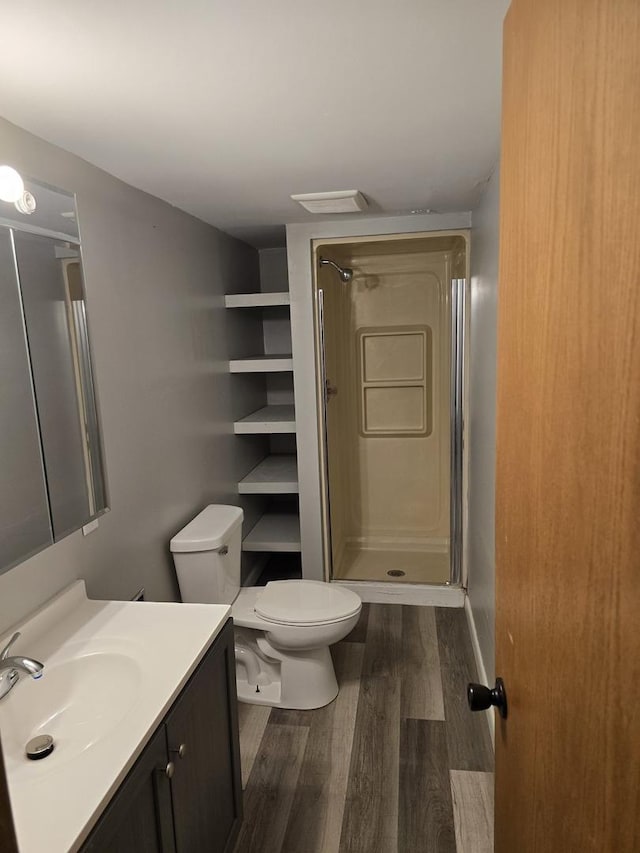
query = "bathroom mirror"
{"x": 51, "y": 458}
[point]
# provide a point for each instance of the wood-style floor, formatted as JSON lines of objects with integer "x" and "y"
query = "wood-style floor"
{"x": 396, "y": 764}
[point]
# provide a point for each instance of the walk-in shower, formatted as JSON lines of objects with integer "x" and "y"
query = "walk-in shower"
{"x": 390, "y": 329}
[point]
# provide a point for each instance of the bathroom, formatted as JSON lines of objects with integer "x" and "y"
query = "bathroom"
{"x": 396, "y": 762}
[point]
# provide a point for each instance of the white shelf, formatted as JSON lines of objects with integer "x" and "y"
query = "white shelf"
{"x": 275, "y": 475}
{"x": 261, "y": 364}
{"x": 256, "y": 300}
{"x": 270, "y": 419}
{"x": 275, "y": 531}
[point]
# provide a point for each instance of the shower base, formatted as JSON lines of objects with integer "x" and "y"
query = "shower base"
{"x": 359, "y": 564}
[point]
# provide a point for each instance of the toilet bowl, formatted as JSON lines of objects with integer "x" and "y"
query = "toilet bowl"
{"x": 282, "y": 630}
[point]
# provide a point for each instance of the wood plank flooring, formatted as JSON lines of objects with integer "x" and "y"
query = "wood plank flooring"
{"x": 396, "y": 764}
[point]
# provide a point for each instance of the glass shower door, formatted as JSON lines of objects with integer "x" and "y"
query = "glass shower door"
{"x": 393, "y": 393}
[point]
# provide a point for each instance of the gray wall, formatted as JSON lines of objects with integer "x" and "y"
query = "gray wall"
{"x": 482, "y": 409}
{"x": 274, "y": 277}
{"x": 155, "y": 279}
{"x": 274, "y": 274}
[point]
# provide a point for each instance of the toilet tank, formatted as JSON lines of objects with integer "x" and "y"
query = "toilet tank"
{"x": 206, "y": 554}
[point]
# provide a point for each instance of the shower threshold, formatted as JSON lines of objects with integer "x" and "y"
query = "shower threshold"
{"x": 420, "y": 594}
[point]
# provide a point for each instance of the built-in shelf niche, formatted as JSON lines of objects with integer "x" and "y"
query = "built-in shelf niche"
{"x": 262, "y": 364}
{"x": 275, "y": 475}
{"x": 256, "y": 300}
{"x": 274, "y": 532}
{"x": 269, "y": 419}
{"x": 274, "y": 479}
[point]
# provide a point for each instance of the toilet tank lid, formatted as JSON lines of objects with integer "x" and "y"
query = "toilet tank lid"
{"x": 210, "y": 529}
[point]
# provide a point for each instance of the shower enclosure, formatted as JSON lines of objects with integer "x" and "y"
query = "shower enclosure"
{"x": 390, "y": 351}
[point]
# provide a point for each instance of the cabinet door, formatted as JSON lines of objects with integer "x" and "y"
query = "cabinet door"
{"x": 206, "y": 786}
{"x": 139, "y": 818}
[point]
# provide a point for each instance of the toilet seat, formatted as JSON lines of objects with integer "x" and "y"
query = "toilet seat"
{"x": 305, "y": 603}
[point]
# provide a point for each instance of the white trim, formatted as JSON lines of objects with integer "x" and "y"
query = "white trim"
{"x": 423, "y": 595}
{"x": 482, "y": 672}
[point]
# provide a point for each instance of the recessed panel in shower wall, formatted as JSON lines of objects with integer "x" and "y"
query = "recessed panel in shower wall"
{"x": 394, "y": 371}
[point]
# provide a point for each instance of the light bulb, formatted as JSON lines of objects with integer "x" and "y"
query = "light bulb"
{"x": 11, "y": 184}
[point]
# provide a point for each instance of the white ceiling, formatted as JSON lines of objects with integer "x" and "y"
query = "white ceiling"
{"x": 226, "y": 107}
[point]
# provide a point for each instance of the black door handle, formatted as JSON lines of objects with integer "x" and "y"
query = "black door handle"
{"x": 480, "y": 697}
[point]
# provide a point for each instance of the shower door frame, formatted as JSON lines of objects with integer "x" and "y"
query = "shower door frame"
{"x": 458, "y": 395}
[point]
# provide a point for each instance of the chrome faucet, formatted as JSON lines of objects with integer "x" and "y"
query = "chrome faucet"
{"x": 10, "y": 667}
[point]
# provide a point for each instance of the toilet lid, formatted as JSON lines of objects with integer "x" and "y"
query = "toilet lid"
{"x": 306, "y": 602}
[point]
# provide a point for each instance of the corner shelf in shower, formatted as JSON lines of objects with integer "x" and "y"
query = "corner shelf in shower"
{"x": 268, "y": 420}
{"x": 262, "y": 364}
{"x": 256, "y": 300}
{"x": 275, "y": 475}
{"x": 275, "y": 532}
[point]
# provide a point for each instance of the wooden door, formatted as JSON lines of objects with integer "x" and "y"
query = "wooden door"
{"x": 206, "y": 785}
{"x": 568, "y": 470}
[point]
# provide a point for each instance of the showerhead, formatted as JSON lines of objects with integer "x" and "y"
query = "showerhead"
{"x": 345, "y": 273}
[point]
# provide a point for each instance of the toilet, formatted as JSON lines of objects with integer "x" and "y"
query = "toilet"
{"x": 282, "y": 630}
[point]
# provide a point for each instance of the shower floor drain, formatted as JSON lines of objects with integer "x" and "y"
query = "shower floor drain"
{"x": 396, "y": 573}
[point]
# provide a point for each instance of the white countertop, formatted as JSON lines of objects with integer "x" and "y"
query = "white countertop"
{"x": 56, "y": 801}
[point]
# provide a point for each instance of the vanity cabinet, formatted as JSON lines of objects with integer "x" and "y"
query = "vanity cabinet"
{"x": 184, "y": 793}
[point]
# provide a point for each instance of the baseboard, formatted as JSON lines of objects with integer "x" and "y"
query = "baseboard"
{"x": 424, "y": 595}
{"x": 482, "y": 672}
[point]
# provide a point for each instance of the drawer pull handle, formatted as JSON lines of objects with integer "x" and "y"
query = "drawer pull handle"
{"x": 169, "y": 770}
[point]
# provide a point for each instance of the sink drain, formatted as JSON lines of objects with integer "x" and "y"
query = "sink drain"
{"x": 39, "y": 747}
{"x": 396, "y": 573}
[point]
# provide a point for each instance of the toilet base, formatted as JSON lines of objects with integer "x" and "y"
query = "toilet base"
{"x": 299, "y": 681}
{"x": 268, "y": 695}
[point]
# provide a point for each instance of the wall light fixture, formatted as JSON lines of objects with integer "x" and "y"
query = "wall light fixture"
{"x": 11, "y": 184}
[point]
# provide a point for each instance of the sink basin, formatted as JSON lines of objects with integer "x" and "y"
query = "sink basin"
{"x": 78, "y": 701}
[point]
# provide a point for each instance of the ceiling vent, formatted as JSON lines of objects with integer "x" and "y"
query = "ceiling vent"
{"x": 339, "y": 201}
